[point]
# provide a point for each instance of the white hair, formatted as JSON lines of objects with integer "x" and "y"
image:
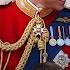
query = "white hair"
{"x": 5, "y": 2}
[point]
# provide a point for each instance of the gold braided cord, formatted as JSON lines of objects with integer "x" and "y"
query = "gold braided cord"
{"x": 41, "y": 48}
{"x": 28, "y": 34}
{"x": 1, "y": 60}
{"x": 7, "y": 61}
{"x": 26, "y": 53}
{"x": 41, "y": 51}
{"x": 11, "y": 47}
{"x": 41, "y": 45}
{"x": 29, "y": 45}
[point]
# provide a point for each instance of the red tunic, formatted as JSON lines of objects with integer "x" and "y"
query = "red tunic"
{"x": 12, "y": 25}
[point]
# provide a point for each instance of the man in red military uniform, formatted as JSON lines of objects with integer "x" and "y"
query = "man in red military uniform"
{"x": 14, "y": 20}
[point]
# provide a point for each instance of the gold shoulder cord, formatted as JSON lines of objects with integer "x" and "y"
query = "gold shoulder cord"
{"x": 33, "y": 36}
{"x": 34, "y": 39}
{"x": 34, "y": 28}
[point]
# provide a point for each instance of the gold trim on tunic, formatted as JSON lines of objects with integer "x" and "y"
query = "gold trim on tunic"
{"x": 28, "y": 9}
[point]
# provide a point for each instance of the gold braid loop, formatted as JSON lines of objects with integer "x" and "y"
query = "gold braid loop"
{"x": 11, "y": 47}
{"x": 28, "y": 33}
{"x": 29, "y": 45}
{"x": 26, "y": 53}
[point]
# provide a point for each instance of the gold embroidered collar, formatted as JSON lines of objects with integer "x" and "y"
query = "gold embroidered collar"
{"x": 28, "y": 9}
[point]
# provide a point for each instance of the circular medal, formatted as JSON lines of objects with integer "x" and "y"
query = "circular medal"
{"x": 60, "y": 42}
{"x": 52, "y": 42}
{"x": 67, "y": 41}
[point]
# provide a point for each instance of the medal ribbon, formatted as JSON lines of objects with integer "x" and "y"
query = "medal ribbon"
{"x": 51, "y": 31}
{"x": 59, "y": 31}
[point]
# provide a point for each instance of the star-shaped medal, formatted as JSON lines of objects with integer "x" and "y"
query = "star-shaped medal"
{"x": 38, "y": 29}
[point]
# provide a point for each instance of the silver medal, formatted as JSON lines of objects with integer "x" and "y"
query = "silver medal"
{"x": 60, "y": 41}
{"x": 67, "y": 40}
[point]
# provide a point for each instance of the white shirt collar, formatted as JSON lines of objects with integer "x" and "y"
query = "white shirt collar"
{"x": 5, "y": 2}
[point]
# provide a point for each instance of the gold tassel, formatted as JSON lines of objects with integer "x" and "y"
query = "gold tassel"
{"x": 41, "y": 48}
{"x": 45, "y": 37}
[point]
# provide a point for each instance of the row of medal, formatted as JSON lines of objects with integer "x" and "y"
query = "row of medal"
{"x": 62, "y": 40}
